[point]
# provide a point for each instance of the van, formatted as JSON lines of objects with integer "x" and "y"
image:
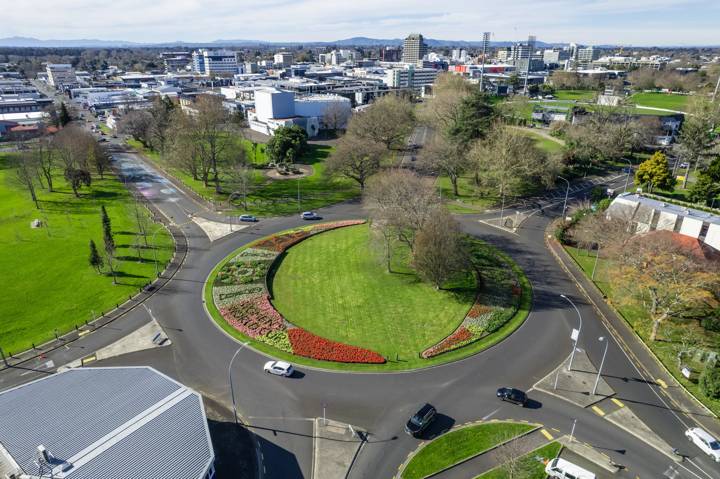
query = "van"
{"x": 562, "y": 469}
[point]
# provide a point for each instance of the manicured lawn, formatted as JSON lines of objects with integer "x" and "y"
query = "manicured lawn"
{"x": 46, "y": 280}
{"x": 661, "y": 100}
{"x": 470, "y": 198}
{"x": 530, "y": 466}
{"x": 547, "y": 145}
{"x": 577, "y": 95}
{"x": 460, "y": 444}
{"x": 316, "y": 268}
{"x": 334, "y": 285}
{"x": 671, "y": 332}
{"x": 270, "y": 197}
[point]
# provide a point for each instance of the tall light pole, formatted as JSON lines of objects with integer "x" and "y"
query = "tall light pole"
{"x": 486, "y": 42}
{"x": 579, "y": 329}
{"x": 152, "y": 240}
{"x": 602, "y": 362}
{"x": 627, "y": 177}
{"x": 232, "y": 390}
{"x": 567, "y": 193}
{"x": 717, "y": 87}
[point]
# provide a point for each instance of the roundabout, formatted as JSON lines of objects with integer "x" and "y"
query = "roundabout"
{"x": 322, "y": 296}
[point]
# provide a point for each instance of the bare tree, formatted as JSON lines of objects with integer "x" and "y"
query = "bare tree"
{"x": 442, "y": 111}
{"x": 356, "y": 159}
{"x": 240, "y": 180}
{"x": 26, "y": 173}
{"x": 136, "y": 123}
{"x": 440, "y": 252}
{"x": 46, "y": 157}
{"x": 512, "y": 457}
{"x": 441, "y": 156}
{"x": 388, "y": 121}
{"x": 336, "y": 116}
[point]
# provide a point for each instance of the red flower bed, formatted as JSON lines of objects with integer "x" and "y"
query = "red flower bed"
{"x": 305, "y": 343}
{"x": 478, "y": 310}
{"x": 460, "y": 336}
{"x": 280, "y": 243}
{"x": 338, "y": 224}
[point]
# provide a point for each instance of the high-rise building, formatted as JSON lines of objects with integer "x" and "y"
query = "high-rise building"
{"x": 175, "y": 61}
{"x": 581, "y": 57}
{"x": 414, "y": 48}
{"x": 390, "y": 54}
{"x": 555, "y": 56}
{"x": 60, "y": 74}
{"x": 283, "y": 59}
{"x": 215, "y": 62}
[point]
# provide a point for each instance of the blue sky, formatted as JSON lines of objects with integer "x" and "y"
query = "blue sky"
{"x": 636, "y": 22}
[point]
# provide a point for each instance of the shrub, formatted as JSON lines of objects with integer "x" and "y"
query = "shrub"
{"x": 710, "y": 381}
{"x": 711, "y": 323}
{"x": 305, "y": 343}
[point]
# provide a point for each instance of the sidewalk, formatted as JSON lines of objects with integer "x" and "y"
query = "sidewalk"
{"x": 643, "y": 358}
{"x": 335, "y": 447}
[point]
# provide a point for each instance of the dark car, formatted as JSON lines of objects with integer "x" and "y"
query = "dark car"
{"x": 420, "y": 420}
{"x": 512, "y": 395}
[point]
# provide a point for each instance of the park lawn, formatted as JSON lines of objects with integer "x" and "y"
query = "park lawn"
{"x": 47, "y": 283}
{"x": 549, "y": 146}
{"x": 575, "y": 95}
{"x": 271, "y": 197}
{"x": 461, "y": 444}
{"x": 497, "y": 268}
{"x": 671, "y": 332}
{"x": 104, "y": 128}
{"x": 531, "y": 465}
{"x": 669, "y": 101}
{"x": 470, "y": 199}
{"x": 335, "y": 286}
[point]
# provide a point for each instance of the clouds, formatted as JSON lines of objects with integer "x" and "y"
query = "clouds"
{"x": 678, "y": 22}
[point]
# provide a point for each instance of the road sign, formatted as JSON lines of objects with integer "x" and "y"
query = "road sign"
{"x": 574, "y": 335}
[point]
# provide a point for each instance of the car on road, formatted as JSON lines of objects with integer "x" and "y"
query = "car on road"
{"x": 101, "y": 140}
{"x": 310, "y": 215}
{"x": 248, "y": 218}
{"x": 421, "y": 420}
{"x": 684, "y": 165}
{"x": 561, "y": 469}
{"x": 512, "y": 395}
{"x": 279, "y": 368}
{"x": 705, "y": 441}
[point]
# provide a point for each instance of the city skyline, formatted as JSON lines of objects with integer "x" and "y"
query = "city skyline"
{"x": 632, "y": 22}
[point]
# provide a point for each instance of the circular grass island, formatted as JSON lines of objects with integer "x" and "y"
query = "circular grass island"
{"x": 323, "y": 296}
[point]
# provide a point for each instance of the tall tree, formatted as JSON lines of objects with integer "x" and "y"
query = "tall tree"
{"x": 240, "y": 180}
{"x": 45, "y": 158}
{"x": 707, "y": 185}
{"x": 109, "y": 243}
{"x": 655, "y": 173}
{"x": 137, "y": 123}
{"x": 696, "y": 135}
{"x": 474, "y": 120}
{"x": 64, "y": 116}
{"x": 26, "y": 174}
{"x": 95, "y": 260}
{"x": 388, "y": 121}
{"x": 162, "y": 113}
{"x": 440, "y": 253}
{"x": 442, "y": 111}
{"x": 442, "y": 156}
{"x": 287, "y": 144}
{"x": 355, "y": 159}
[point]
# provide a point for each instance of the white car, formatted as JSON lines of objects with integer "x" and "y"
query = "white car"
{"x": 561, "y": 469}
{"x": 279, "y": 368}
{"x": 704, "y": 441}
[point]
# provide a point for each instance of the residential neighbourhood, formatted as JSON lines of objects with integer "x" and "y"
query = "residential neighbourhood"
{"x": 398, "y": 244}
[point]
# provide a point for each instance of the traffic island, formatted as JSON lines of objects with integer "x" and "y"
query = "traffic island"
{"x": 335, "y": 447}
{"x": 576, "y": 385}
{"x": 626, "y": 420}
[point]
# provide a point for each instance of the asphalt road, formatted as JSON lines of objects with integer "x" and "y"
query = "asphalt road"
{"x": 278, "y": 410}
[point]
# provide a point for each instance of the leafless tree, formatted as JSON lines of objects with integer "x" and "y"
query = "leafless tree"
{"x": 388, "y": 121}
{"x": 136, "y": 123}
{"x": 46, "y": 157}
{"x": 26, "y": 166}
{"x": 442, "y": 156}
{"x": 441, "y": 112}
{"x": 336, "y": 116}
{"x": 355, "y": 158}
{"x": 440, "y": 252}
{"x": 240, "y": 180}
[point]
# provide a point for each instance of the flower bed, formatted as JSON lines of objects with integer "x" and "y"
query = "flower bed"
{"x": 240, "y": 295}
{"x": 305, "y": 343}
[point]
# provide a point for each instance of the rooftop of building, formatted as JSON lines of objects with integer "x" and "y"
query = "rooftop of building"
{"x": 106, "y": 422}
{"x": 671, "y": 208}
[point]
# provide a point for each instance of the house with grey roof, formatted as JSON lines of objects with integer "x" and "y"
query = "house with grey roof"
{"x": 109, "y": 423}
{"x": 647, "y": 214}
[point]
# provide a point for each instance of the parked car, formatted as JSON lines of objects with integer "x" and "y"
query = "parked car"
{"x": 420, "y": 420}
{"x": 310, "y": 215}
{"x": 512, "y": 395}
{"x": 248, "y": 218}
{"x": 562, "y": 469}
{"x": 684, "y": 164}
{"x": 706, "y": 442}
{"x": 279, "y": 368}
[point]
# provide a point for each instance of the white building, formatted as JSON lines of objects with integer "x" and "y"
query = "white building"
{"x": 60, "y": 74}
{"x": 410, "y": 77}
{"x": 283, "y": 59}
{"x": 215, "y": 62}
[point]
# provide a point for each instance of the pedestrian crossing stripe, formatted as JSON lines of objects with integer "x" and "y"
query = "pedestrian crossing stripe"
{"x": 546, "y": 434}
{"x": 598, "y": 411}
{"x": 618, "y": 402}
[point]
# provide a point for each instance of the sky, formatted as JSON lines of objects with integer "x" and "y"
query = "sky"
{"x": 618, "y": 22}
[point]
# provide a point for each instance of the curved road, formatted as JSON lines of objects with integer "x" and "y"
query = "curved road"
{"x": 279, "y": 410}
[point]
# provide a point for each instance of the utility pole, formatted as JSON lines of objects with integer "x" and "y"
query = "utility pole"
{"x": 602, "y": 362}
{"x": 579, "y": 329}
{"x": 567, "y": 193}
{"x": 717, "y": 87}
{"x": 486, "y": 43}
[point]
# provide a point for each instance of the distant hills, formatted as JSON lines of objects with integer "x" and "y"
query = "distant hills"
{"x": 29, "y": 42}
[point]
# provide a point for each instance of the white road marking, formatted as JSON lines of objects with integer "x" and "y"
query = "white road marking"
{"x": 488, "y": 416}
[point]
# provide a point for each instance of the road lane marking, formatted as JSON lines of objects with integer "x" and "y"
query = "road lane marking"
{"x": 598, "y": 411}
{"x": 618, "y": 402}
{"x": 489, "y": 415}
{"x": 662, "y": 383}
{"x": 546, "y": 434}
{"x": 89, "y": 359}
{"x": 83, "y": 333}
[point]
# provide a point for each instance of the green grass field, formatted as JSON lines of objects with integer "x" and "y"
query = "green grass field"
{"x": 335, "y": 286}
{"x": 460, "y": 444}
{"x": 575, "y": 95}
{"x": 671, "y": 333}
{"x": 530, "y": 466}
{"x": 46, "y": 281}
{"x": 495, "y": 265}
{"x": 271, "y": 197}
{"x": 668, "y": 101}
{"x": 549, "y": 146}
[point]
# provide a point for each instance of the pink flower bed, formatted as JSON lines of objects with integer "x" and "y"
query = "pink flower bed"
{"x": 254, "y": 316}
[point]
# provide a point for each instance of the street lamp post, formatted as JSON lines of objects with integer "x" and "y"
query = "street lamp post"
{"x": 602, "y": 362}
{"x": 567, "y": 193}
{"x": 597, "y": 255}
{"x": 572, "y": 355}
{"x": 152, "y": 240}
{"x": 232, "y": 390}
{"x": 627, "y": 177}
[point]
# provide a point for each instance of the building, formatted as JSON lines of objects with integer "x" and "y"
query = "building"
{"x": 555, "y": 57}
{"x": 110, "y": 423}
{"x": 519, "y": 55}
{"x": 581, "y": 57}
{"x": 283, "y": 59}
{"x": 646, "y": 214}
{"x": 390, "y": 54}
{"x": 215, "y": 62}
{"x": 175, "y": 61}
{"x": 414, "y": 48}
{"x": 60, "y": 74}
{"x": 410, "y": 77}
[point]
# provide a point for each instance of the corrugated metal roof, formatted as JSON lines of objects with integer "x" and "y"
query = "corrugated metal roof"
{"x": 72, "y": 410}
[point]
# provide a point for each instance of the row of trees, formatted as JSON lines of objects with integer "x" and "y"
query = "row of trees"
{"x": 72, "y": 151}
